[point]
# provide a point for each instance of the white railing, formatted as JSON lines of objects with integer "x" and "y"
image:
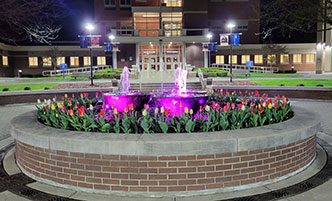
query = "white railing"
{"x": 258, "y": 69}
{"x": 69, "y": 71}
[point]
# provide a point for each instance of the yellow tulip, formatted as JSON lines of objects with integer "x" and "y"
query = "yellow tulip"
{"x": 186, "y": 110}
{"x": 270, "y": 106}
{"x": 56, "y": 115}
{"x": 144, "y": 113}
{"x": 53, "y": 107}
{"x": 59, "y": 105}
{"x": 66, "y": 96}
{"x": 191, "y": 111}
{"x": 115, "y": 111}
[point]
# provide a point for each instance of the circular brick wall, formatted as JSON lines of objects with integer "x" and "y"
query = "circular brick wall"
{"x": 171, "y": 165}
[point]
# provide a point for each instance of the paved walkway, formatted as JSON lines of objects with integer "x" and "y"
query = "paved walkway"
{"x": 321, "y": 193}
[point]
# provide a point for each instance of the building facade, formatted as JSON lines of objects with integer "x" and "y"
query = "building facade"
{"x": 161, "y": 35}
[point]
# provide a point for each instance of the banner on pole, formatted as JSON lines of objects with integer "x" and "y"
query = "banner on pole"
{"x": 236, "y": 39}
{"x": 205, "y": 46}
{"x": 84, "y": 42}
{"x": 109, "y": 47}
{"x": 212, "y": 47}
{"x": 223, "y": 39}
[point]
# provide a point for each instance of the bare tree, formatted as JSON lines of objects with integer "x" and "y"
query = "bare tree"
{"x": 290, "y": 16}
{"x": 272, "y": 50}
{"x": 33, "y": 20}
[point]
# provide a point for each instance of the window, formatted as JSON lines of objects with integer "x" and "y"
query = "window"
{"x": 258, "y": 59}
{"x": 74, "y": 61}
{"x": 220, "y": 59}
{"x": 109, "y": 3}
{"x": 125, "y": 3}
{"x": 271, "y": 58}
{"x": 234, "y": 59}
{"x": 245, "y": 58}
{"x": 47, "y": 61}
{"x": 4, "y": 60}
{"x": 101, "y": 61}
{"x": 172, "y": 3}
{"x": 87, "y": 61}
{"x": 297, "y": 58}
{"x": 284, "y": 59}
{"x": 33, "y": 61}
{"x": 60, "y": 60}
{"x": 310, "y": 59}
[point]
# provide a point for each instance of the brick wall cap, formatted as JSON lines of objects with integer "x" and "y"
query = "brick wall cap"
{"x": 26, "y": 129}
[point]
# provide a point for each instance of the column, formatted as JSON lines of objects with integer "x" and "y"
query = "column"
{"x": 161, "y": 62}
{"x": 206, "y": 59}
{"x": 319, "y": 58}
{"x": 184, "y": 60}
{"x": 114, "y": 57}
{"x": 137, "y": 58}
{"x": 328, "y": 59}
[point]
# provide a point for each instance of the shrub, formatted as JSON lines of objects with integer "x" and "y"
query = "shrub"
{"x": 319, "y": 85}
{"x": 282, "y": 85}
{"x": 212, "y": 74}
{"x": 222, "y": 74}
{"x": 99, "y": 75}
{"x": 27, "y": 88}
{"x": 287, "y": 71}
{"x": 5, "y": 89}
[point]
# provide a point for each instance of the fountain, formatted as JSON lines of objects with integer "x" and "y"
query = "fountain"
{"x": 174, "y": 101}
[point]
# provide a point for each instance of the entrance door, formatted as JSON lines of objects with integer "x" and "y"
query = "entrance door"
{"x": 149, "y": 62}
{"x": 172, "y": 62}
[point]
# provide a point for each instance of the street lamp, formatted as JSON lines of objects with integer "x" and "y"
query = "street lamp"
{"x": 111, "y": 37}
{"x": 90, "y": 28}
{"x": 209, "y": 36}
{"x": 231, "y": 26}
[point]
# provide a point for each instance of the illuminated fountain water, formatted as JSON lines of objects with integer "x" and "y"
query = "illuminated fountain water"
{"x": 174, "y": 101}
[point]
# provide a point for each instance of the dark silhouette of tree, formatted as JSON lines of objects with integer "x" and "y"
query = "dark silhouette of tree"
{"x": 31, "y": 20}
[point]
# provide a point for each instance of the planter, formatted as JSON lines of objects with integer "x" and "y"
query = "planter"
{"x": 165, "y": 164}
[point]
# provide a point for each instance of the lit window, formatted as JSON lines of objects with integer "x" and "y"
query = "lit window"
{"x": 220, "y": 59}
{"x": 109, "y": 3}
{"x": 4, "y": 60}
{"x": 87, "y": 61}
{"x": 60, "y": 60}
{"x": 173, "y": 3}
{"x": 258, "y": 59}
{"x": 310, "y": 59}
{"x": 284, "y": 59}
{"x": 101, "y": 61}
{"x": 33, "y": 61}
{"x": 47, "y": 61}
{"x": 271, "y": 59}
{"x": 245, "y": 58}
{"x": 297, "y": 58}
{"x": 234, "y": 59}
{"x": 74, "y": 61}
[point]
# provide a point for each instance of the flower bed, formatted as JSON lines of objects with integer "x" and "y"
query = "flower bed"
{"x": 224, "y": 111}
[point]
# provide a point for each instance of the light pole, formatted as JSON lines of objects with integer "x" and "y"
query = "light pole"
{"x": 114, "y": 59}
{"x": 209, "y": 36}
{"x": 90, "y": 27}
{"x": 231, "y": 26}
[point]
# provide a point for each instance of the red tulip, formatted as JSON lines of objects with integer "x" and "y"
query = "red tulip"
{"x": 102, "y": 112}
{"x": 81, "y": 111}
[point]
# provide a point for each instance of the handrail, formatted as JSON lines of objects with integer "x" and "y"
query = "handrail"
{"x": 69, "y": 71}
{"x": 201, "y": 79}
{"x": 259, "y": 69}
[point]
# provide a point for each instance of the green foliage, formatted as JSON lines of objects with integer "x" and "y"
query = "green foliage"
{"x": 27, "y": 88}
{"x": 212, "y": 74}
{"x": 5, "y": 89}
{"x": 287, "y": 71}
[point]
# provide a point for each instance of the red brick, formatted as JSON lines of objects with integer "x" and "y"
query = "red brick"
{"x": 269, "y": 160}
{"x": 262, "y": 167}
{"x": 101, "y": 187}
{"x": 102, "y": 174}
{"x": 103, "y": 163}
{"x": 138, "y": 189}
{"x": 262, "y": 156}
{"x": 138, "y": 164}
{"x": 148, "y": 183}
{"x": 182, "y": 170}
{"x": 168, "y": 170}
{"x": 192, "y": 157}
{"x": 157, "y": 177}
{"x": 157, "y": 189}
{"x": 232, "y": 160}
{"x": 205, "y": 181}
{"x": 196, "y": 188}
{"x": 214, "y": 186}
{"x": 129, "y": 182}
{"x": 85, "y": 161}
{"x": 110, "y": 157}
{"x": 290, "y": 155}
{"x": 224, "y": 155}
{"x": 119, "y": 164}
{"x": 129, "y": 158}
{"x": 261, "y": 179}
{"x": 230, "y": 184}
{"x": 176, "y": 188}
{"x": 270, "y": 171}
{"x": 138, "y": 176}
{"x": 167, "y": 158}
{"x": 93, "y": 168}
{"x": 77, "y": 178}
{"x": 177, "y": 176}
{"x": 280, "y": 158}
{"x": 207, "y": 156}
{"x": 258, "y": 151}
{"x": 275, "y": 175}
{"x": 197, "y": 175}
{"x": 214, "y": 174}
{"x": 93, "y": 180}
{"x": 275, "y": 153}
{"x": 51, "y": 173}
{"x": 148, "y": 170}
{"x": 255, "y": 163}
{"x": 206, "y": 169}
{"x": 62, "y": 153}
{"x": 231, "y": 172}
{"x": 285, "y": 162}
{"x": 119, "y": 188}
{"x": 168, "y": 183}
{"x": 58, "y": 169}
{"x": 187, "y": 182}
{"x": 247, "y": 158}
{"x": 224, "y": 167}
{"x": 55, "y": 157}
{"x": 46, "y": 166}
{"x": 69, "y": 182}
{"x": 241, "y": 153}
{"x": 240, "y": 177}
{"x": 74, "y": 154}
{"x": 147, "y": 158}
{"x": 69, "y": 159}
{"x": 92, "y": 156}
{"x": 111, "y": 169}
{"x": 255, "y": 174}
{"x": 84, "y": 173}
{"x": 62, "y": 164}
{"x": 249, "y": 181}
{"x": 119, "y": 176}
{"x": 269, "y": 149}
{"x": 70, "y": 171}
{"x": 240, "y": 165}
{"x": 129, "y": 170}
{"x": 285, "y": 151}
{"x": 214, "y": 162}
{"x": 77, "y": 166}
{"x": 276, "y": 164}
{"x": 85, "y": 185}
{"x": 157, "y": 164}
{"x": 44, "y": 155}
{"x": 196, "y": 163}
{"x": 111, "y": 181}
{"x": 62, "y": 175}
{"x": 176, "y": 164}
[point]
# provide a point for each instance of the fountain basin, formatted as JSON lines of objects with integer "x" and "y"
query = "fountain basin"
{"x": 121, "y": 100}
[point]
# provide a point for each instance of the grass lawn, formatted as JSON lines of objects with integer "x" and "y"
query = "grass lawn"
{"x": 295, "y": 82}
{"x": 52, "y": 78}
{"x": 20, "y": 87}
{"x": 271, "y": 75}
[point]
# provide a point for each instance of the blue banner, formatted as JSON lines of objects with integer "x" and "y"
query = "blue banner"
{"x": 84, "y": 42}
{"x": 212, "y": 47}
{"x": 236, "y": 39}
{"x": 63, "y": 66}
{"x": 109, "y": 47}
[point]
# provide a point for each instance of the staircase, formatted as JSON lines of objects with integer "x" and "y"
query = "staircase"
{"x": 165, "y": 86}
